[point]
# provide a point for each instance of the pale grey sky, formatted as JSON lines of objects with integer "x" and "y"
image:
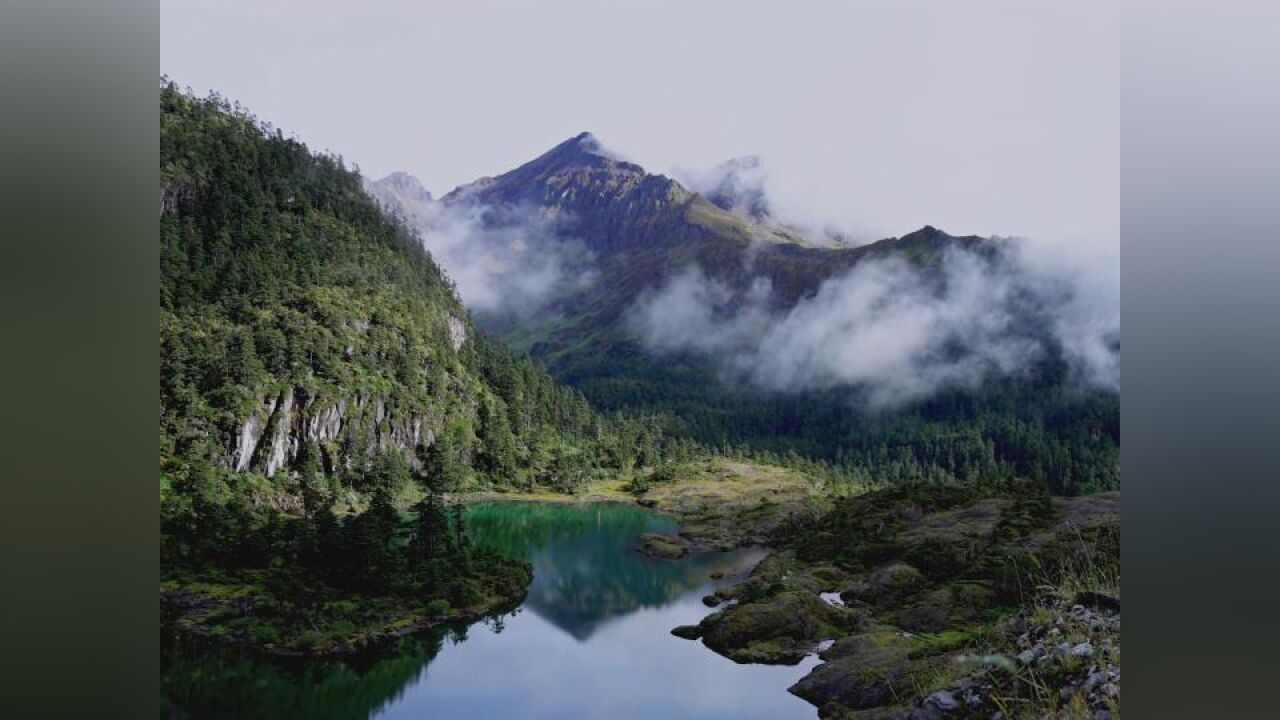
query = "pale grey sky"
{"x": 989, "y": 116}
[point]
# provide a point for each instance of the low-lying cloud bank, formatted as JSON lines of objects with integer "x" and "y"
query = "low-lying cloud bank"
{"x": 507, "y": 260}
{"x": 897, "y": 331}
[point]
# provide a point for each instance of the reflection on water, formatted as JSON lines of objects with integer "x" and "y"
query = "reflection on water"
{"x": 592, "y": 639}
{"x": 585, "y": 566}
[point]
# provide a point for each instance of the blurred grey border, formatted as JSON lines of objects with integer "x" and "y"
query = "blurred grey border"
{"x": 1201, "y": 409}
{"x": 79, "y": 157}
{"x": 1201, "y": 417}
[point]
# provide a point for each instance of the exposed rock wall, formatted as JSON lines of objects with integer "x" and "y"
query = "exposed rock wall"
{"x": 251, "y": 432}
{"x": 346, "y": 429}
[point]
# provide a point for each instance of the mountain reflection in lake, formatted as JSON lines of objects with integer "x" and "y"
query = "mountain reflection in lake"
{"x": 591, "y": 640}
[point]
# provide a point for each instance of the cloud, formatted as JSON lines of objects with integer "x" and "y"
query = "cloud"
{"x": 737, "y": 185}
{"x": 1086, "y": 315}
{"x": 747, "y": 187}
{"x": 511, "y": 260}
{"x": 899, "y": 332}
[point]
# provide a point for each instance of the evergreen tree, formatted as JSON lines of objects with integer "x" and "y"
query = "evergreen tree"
{"x": 431, "y": 536}
{"x": 497, "y": 457}
{"x": 439, "y": 467}
{"x": 374, "y": 562}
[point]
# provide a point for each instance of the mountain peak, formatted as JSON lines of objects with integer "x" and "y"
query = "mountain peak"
{"x": 404, "y": 184}
{"x": 586, "y": 140}
{"x": 570, "y": 173}
{"x": 927, "y": 234}
{"x": 581, "y": 149}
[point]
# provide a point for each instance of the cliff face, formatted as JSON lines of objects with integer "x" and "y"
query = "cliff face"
{"x": 348, "y": 431}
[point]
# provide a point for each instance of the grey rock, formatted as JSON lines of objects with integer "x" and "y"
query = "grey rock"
{"x": 943, "y": 700}
{"x": 1094, "y": 680}
{"x": 1098, "y": 600}
{"x": 1082, "y": 650}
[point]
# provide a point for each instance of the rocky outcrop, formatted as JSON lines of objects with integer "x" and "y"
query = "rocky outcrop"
{"x": 863, "y": 671}
{"x": 457, "y": 332}
{"x": 662, "y": 547}
{"x": 922, "y": 575}
{"x": 779, "y": 629}
{"x": 345, "y": 429}
{"x": 251, "y": 432}
{"x": 282, "y": 435}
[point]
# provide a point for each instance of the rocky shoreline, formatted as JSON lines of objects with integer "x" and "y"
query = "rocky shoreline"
{"x": 232, "y": 615}
{"x": 924, "y": 601}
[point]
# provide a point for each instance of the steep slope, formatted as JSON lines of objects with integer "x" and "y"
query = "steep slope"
{"x": 298, "y": 321}
{"x": 643, "y": 230}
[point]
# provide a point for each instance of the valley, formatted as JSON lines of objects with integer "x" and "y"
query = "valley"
{"x": 577, "y": 440}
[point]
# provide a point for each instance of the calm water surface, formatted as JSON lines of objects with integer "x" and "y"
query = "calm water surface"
{"x": 591, "y": 640}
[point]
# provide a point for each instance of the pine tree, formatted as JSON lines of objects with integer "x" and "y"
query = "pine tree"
{"x": 497, "y": 457}
{"x": 374, "y": 562}
{"x": 431, "y": 536}
{"x": 439, "y": 467}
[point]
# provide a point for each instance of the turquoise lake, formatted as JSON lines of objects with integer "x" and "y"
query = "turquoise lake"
{"x": 591, "y": 640}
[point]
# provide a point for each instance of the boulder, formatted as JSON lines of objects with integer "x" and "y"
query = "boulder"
{"x": 662, "y": 547}
{"x": 779, "y": 629}
{"x": 688, "y": 632}
{"x": 863, "y": 671}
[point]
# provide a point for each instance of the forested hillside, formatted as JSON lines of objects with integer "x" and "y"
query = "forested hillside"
{"x": 298, "y": 320}
{"x": 319, "y": 380}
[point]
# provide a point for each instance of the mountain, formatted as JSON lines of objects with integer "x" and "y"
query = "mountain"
{"x": 643, "y": 226}
{"x": 301, "y": 324}
{"x": 402, "y": 192}
{"x": 643, "y": 232}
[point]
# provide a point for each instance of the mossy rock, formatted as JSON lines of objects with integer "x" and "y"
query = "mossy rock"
{"x": 862, "y": 672}
{"x": 766, "y": 579}
{"x": 780, "y": 629}
{"x": 930, "y": 613}
{"x": 663, "y": 547}
{"x": 688, "y": 632}
{"x": 897, "y": 578}
{"x": 960, "y": 603}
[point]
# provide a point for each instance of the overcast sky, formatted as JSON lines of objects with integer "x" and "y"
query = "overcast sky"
{"x": 988, "y": 117}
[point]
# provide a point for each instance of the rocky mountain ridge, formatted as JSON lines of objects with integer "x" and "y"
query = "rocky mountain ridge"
{"x": 637, "y": 233}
